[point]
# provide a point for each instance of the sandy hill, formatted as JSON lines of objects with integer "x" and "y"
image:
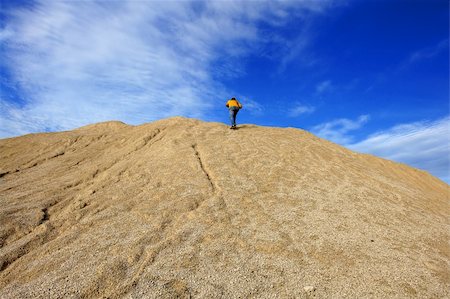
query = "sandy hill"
{"x": 185, "y": 208}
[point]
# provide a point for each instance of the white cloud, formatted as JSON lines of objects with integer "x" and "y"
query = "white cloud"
{"x": 293, "y": 49}
{"x": 296, "y": 48}
{"x": 429, "y": 52}
{"x": 425, "y": 145}
{"x": 136, "y": 61}
{"x": 253, "y": 107}
{"x": 300, "y": 109}
{"x": 424, "y": 54}
{"x": 5, "y": 33}
{"x": 323, "y": 86}
{"x": 339, "y": 130}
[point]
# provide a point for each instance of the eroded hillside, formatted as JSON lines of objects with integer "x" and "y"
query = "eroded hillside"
{"x": 185, "y": 208}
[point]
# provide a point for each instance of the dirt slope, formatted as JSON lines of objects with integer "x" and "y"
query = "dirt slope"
{"x": 186, "y": 208}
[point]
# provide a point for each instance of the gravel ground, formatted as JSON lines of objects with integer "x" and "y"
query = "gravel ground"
{"x": 190, "y": 209}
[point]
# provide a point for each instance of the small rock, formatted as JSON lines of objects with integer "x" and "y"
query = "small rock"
{"x": 309, "y": 289}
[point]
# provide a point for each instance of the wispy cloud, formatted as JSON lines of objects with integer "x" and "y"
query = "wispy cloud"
{"x": 297, "y": 49}
{"x": 424, "y": 54}
{"x": 83, "y": 62}
{"x": 253, "y": 107}
{"x": 293, "y": 49}
{"x": 5, "y": 33}
{"x": 340, "y": 130}
{"x": 425, "y": 145}
{"x": 300, "y": 109}
{"x": 429, "y": 52}
{"x": 323, "y": 86}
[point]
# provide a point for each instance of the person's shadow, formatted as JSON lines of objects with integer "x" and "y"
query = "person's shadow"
{"x": 243, "y": 127}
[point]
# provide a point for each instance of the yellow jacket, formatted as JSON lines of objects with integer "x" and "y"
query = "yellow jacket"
{"x": 233, "y": 103}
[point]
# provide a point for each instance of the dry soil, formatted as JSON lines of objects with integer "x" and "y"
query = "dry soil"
{"x": 185, "y": 208}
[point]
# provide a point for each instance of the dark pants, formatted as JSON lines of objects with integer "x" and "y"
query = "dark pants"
{"x": 233, "y": 112}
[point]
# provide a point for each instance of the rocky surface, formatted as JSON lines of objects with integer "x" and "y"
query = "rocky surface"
{"x": 185, "y": 208}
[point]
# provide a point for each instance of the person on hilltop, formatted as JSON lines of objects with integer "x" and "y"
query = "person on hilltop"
{"x": 233, "y": 106}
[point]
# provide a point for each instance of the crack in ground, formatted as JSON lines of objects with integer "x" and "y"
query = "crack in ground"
{"x": 8, "y": 172}
{"x": 45, "y": 216}
{"x": 170, "y": 235}
{"x": 202, "y": 166}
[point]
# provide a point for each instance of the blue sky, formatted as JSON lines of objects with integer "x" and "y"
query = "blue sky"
{"x": 370, "y": 75}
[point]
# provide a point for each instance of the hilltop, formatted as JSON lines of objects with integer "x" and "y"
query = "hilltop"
{"x": 185, "y": 208}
